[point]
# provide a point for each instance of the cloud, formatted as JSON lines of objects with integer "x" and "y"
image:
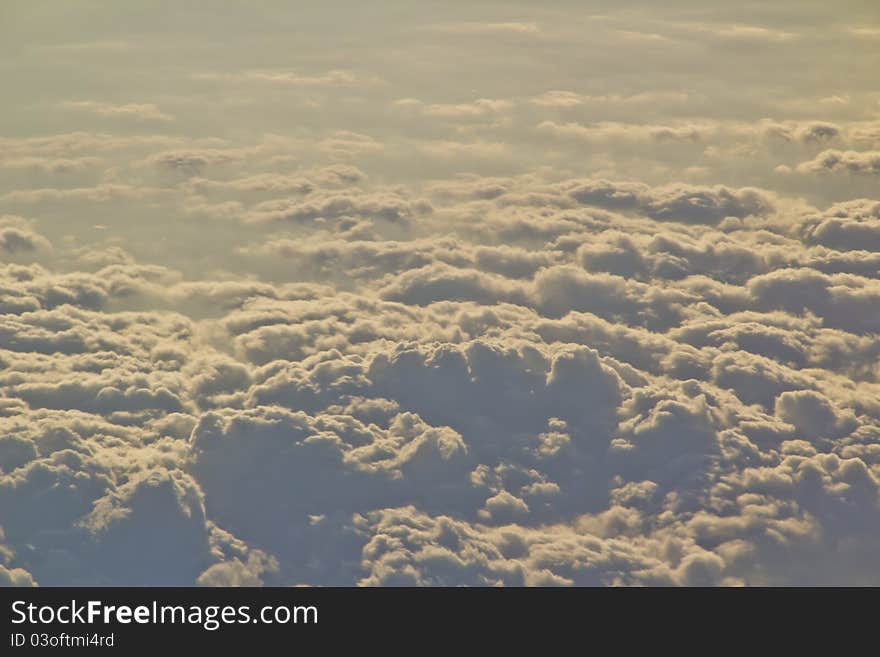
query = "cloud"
{"x": 445, "y": 148}
{"x": 139, "y": 112}
{"x": 606, "y": 131}
{"x": 77, "y": 142}
{"x": 302, "y": 183}
{"x": 344, "y": 144}
{"x": 386, "y": 206}
{"x": 17, "y": 236}
{"x": 102, "y": 193}
{"x": 512, "y": 27}
{"x": 752, "y": 35}
{"x": 832, "y": 161}
{"x": 675, "y": 202}
{"x": 289, "y": 78}
{"x": 51, "y": 165}
{"x": 478, "y": 108}
{"x": 518, "y": 312}
{"x": 15, "y": 577}
{"x": 191, "y": 162}
{"x": 851, "y": 226}
{"x": 466, "y": 412}
{"x": 557, "y": 98}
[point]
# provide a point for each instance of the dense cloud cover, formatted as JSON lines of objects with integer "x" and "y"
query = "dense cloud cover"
{"x": 531, "y": 339}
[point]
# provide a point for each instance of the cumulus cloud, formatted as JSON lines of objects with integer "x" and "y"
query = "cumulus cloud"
{"x": 15, "y": 577}
{"x": 620, "y": 131}
{"x": 865, "y": 163}
{"x": 16, "y": 236}
{"x": 303, "y": 183}
{"x": 389, "y": 206}
{"x": 850, "y": 226}
{"x": 193, "y": 161}
{"x": 552, "y": 324}
{"x": 458, "y": 410}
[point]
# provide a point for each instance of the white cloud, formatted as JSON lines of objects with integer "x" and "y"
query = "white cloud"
{"x": 529, "y": 298}
{"x": 137, "y": 111}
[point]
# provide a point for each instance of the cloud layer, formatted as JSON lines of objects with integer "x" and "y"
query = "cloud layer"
{"x": 349, "y": 329}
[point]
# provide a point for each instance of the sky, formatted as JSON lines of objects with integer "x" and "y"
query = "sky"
{"x": 440, "y": 293}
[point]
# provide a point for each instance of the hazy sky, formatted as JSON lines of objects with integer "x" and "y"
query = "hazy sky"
{"x": 440, "y": 292}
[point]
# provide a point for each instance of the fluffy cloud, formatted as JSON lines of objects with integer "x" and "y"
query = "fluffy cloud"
{"x": 851, "y": 226}
{"x": 858, "y": 162}
{"x": 17, "y": 235}
{"x": 678, "y": 202}
{"x": 387, "y": 206}
{"x": 15, "y": 577}
{"x": 553, "y": 324}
